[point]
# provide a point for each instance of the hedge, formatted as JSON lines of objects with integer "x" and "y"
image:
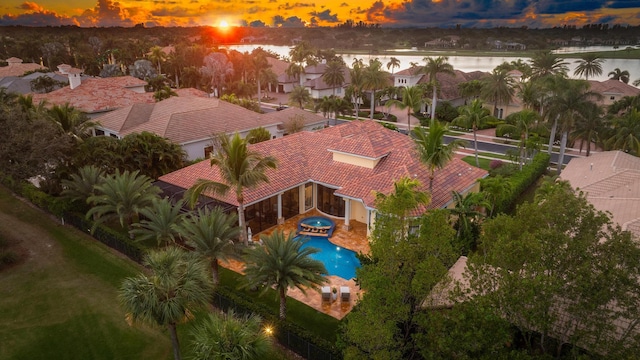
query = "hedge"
{"x": 521, "y": 180}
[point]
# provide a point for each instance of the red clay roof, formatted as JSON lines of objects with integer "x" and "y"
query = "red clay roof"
{"x": 304, "y": 157}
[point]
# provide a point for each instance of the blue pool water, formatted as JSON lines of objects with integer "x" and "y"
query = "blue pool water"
{"x": 338, "y": 260}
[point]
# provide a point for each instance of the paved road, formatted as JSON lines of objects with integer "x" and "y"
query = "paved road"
{"x": 486, "y": 146}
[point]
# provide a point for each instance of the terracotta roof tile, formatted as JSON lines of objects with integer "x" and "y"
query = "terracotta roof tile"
{"x": 304, "y": 156}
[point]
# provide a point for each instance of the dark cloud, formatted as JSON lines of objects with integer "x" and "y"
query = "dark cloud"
{"x": 105, "y": 13}
{"x": 288, "y": 6}
{"x": 172, "y": 12}
{"x": 325, "y": 16}
{"x": 563, "y": 6}
{"x": 624, "y": 4}
{"x": 344, "y": 5}
{"x": 257, "y": 23}
{"x": 256, "y": 10}
{"x": 42, "y": 18}
{"x": 292, "y": 21}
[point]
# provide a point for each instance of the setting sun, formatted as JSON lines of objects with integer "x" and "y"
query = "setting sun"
{"x": 223, "y": 24}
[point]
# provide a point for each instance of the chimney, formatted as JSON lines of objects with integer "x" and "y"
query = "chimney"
{"x": 64, "y": 69}
{"x": 74, "y": 77}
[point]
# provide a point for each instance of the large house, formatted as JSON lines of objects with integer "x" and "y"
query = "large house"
{"x": 337, "y": 171}
{"x": 15, "y": 67}
{"x": 191, "y": 121}
{"x": 612, "y": 90}
{"x": 611, "y": 182}
{"x": 311, "y": 79}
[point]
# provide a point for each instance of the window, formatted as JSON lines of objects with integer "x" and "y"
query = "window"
{"x": 612, "y": 98}
{"x": 207, "y": 151}
{"x": 308, "y": 196}
{"x": 328, "y": 203}
{"x": 99, "y": 132}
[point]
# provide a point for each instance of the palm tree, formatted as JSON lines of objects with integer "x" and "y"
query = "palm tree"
{"x": 467, "y": 213}
{"x": 472, "y": 116}
{"x": 355, "y": 87}
{"x": 433, "y": 67}
{"x": 157, "y": 56}
{"x": 81, "y": 186}
{"x": 178, "y": 283}
{"x": 294, "y": 70}
{"x": 432, "y": 150}
{"x": 470, "y": 89}
{"x": 626, "y": 133}
{"x": 122, "y": 196}
{"x": 412, "y": 100}
{"x": 71, "y": 121}
{"x": 519, "y": 125}
{"x": 374, "y": 78}
{"x": 405, "y": 193}
{"x": 498, "y": 88}
{"x": 334, "y": 75}
{"x": 392, "y": 64}
{"x": 260, "y": 65}
{"x": 230, "y": 337}
{"x": 589, "y": 65}
{"x": 240, "y": 168}
{"x": 545, "y": 63}
{"x": 495, "y": 188}
{"x": 217, "y": 67}
{"x": 210, "y": 233}
{"x": 161, "y": 222}
{"x": 620, "y": 75}
{"x": 282, "y": 263}
{"x": 299, "y": 95}
{"x": 568, "y": 105}
{"x": 588, "y": 127}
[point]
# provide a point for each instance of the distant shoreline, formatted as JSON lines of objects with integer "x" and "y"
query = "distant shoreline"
{"x": 633, "y": 53}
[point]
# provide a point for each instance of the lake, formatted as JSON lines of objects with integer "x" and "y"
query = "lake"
{"x": 474, "y": 63}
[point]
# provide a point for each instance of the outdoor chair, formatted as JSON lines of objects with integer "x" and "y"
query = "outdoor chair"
{"x": 345, "y": 294}
{"x": 326, "y": 293}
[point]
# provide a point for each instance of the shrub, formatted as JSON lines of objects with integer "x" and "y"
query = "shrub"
{"x": 521, "y": 180}
{"x": 494, "y": 164}
{"x": 8, "y": 257}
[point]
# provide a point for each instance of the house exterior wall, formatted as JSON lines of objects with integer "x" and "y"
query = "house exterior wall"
{"x": 358, "y": 212}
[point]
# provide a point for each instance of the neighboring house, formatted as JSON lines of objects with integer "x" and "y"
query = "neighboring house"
{"x": 450, "y": 41}
{"x": 449, "y": 86}
{"x": 612, "y": 90}
{"x": 407, "y": 77}
{"x": 96, "y": 96}
{"x": 192, "y": 121}
{"x": 311, "y": 79}
{"x": 16, "y": 67}
{"x": 611, "y": 182}
{"x": 338, "y": 171}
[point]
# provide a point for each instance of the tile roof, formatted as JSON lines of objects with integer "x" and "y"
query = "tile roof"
{"x": 187, "y": 119}
{"x": 610, "y": 87}
{"x": 277, "y": 66}
{"x": 414, "y": 70}
{"x": 17, "y": 68}
{"x": 611, "y": 182}
{"x": 95, "y": 95}
{"x": 304, "y": 156}
{"x": 449, "y": 89}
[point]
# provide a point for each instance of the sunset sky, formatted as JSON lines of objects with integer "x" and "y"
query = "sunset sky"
{"x": 423, "y": 13}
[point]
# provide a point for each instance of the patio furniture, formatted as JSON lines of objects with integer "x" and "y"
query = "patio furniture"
{"x": 326, "y": 293}
{"x": 345, "y": 293}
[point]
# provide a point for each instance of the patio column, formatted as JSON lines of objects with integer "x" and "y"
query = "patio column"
{"x": 280, "y": 218}
{"x": 347, "y": 214}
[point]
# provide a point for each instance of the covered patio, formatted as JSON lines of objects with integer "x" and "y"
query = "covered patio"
{"x": 354, "y": 239}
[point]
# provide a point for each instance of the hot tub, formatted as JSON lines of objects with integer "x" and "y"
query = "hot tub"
{"x": 316, "y": 226}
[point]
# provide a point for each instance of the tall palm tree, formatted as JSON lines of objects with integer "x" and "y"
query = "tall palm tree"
{"x": 589, "y": 65}
{"x": 470, "y": 89}
{"x": 210, "y": 233}
{"x": 230, "y": 337}
{"x": 433, "y": 67}
{"x": 545, "y": 63}
{"x": 498, "y": 88}
{"x": 568, "y": 105}
{"x": 259, "y": 65}
{"x": 157, "y": 56}
{"x": 412, "y": 100}
{"x": 392, "y": 64}
{"x": 334, "y": 75}
{"x": 626, "y": 133}
{"x": 432, "y": 150}
{"x": 295, "y": 71}
{"x": 374, "y": 78}
{"x": 620, "y": 75}
{"x": 240, "y": 168}
{"x": 282, "y": 263}
{"x": 300, "y": 96}
{"x": 122, "y": 196}
{"x": 519, "y": 125}
{"x": 589, "y": 127}
{"x": 354, "y": 90}
{"x": 178, "y": 283}
{"x": 472, "y": 116}
{"x": 161, "y": 222}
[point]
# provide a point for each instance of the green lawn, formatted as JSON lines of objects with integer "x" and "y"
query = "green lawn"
{"x": 61, "y": 302}
{"x": 471, "y": 160}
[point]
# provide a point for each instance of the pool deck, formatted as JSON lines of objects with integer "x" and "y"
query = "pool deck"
{"x": 354, "y": 239}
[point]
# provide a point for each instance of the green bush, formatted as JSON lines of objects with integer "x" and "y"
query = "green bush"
{"x": 8, "y": 257}
{"x": 226, "y": 298}
{"x": 521, "y": 180}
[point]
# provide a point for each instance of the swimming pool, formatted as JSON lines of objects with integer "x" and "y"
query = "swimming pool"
{"x": 338, "y": 260}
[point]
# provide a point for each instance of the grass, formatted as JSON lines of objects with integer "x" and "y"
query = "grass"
{"x": 471, "y": 160}
{"x": 305, "y": 316}
{"x": 622, "y": 53}
{"x": 62, "y": 299}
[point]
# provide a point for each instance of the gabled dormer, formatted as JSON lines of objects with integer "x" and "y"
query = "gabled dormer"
{"x": 361, "y": 150}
